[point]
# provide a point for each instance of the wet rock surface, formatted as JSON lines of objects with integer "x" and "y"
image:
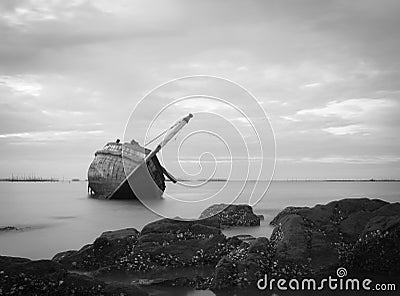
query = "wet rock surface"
{"x": 106, "y": 250}
{"x": 166, "y": 244}
{"x": 244, "y": 265}
{"x": 287, "y": 211}
{"x": 163, "y": 244}
{"x": 232, "y": 215}
{"x": 378, "y": 248}
{"x": 21, "y": 276}
{"x": 327, "y": 236}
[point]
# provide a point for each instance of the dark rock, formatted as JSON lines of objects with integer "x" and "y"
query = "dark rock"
{"x": 360, "y": 234}
{"x": 197, "y": 282}
{"x": 21, "y": 276}
{"x": 303, "y": 243}
{"x": 377, "y": 251}
{"x": 232, "y": 215}
{"x": 14, "y": 266}
{"x": 259, "y": 245}
{"x": 225, "y": 274}
{"x": 173, "y": 226}
{"x": 6, "y": 260}
{"x": 234, "y": 242}
{"x": 321, "y": 238}
{"x": 9, "y": 228}
{"x": 284, "y": 213}
{"x": 244, "y": 265}
{"x": 168, "y": 243}
{"x": 62, "y": 257}
{"x": 104, "y": 251}
{"x": 245, "y": 237}
{"x": 119, "y": 289}
{"x": 351, "y": 227}
{"x": 162, "y": 246}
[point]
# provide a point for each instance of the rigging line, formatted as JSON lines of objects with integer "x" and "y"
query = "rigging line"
{"x": 160, "y": 134}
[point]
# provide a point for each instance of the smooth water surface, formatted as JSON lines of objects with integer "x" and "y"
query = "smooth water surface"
{"x": 53, "y": 217}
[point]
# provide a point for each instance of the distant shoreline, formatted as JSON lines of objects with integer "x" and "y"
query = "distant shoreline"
{"x": 341, "y": 180}
{"x": 212, "y": 180}
{"x": 30, "y": 181}
{"x": 298, "y": 180}
{"x": 38, "y": 180}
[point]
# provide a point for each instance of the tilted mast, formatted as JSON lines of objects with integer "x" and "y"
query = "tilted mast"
{"x": 170, "y": 134}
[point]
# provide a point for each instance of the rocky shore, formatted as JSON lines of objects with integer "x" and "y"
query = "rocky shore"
{"x": 362, "y": 235}
{"x": 21, "y": 276}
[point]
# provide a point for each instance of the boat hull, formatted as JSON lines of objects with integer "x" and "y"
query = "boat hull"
{"x": 139, "y": 185}
{"x": 111, "y": 166}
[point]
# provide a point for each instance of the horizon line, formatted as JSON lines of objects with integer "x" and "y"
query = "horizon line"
{"x": 54, "y": 179}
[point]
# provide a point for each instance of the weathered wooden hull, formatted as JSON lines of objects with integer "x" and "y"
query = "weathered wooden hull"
{"x": 111, "y": 166}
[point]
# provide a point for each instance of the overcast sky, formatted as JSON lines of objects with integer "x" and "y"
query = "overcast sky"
{"x": 326, "y": 73}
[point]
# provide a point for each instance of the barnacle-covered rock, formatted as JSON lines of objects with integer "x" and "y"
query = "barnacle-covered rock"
{"x": 232, "y": 215}
{"x": 378, "y": 248}
{"x": 105, "y": 250}
{"x": 169, "y": 243}
{"x": 245, "y": 264}
{"x": 21, "y": 276}
{"x": 323, "y": 237}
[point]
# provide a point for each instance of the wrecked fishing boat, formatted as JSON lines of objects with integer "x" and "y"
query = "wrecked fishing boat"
{"x": 128, "y": 170}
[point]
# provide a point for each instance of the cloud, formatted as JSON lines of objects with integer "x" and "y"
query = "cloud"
{"x": 348, "y": 130}
{"x": 49, "y": 136}
{"x": 311, "y": 85}
{"x": 22, "y": 16}
{"x": 202, "y": 105}
{"x": 24, "y": 84}
{"x": 63, "y": 113}
{"x": 348, "y": 109}
{"x": 290, "y": 118}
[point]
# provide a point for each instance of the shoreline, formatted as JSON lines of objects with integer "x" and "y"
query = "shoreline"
{"x": 212, "y": 180}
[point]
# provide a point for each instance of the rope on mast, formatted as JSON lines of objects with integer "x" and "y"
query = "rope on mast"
{"x": 161, "y": 134}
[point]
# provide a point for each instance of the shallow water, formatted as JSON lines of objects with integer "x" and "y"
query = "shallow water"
{"x": 53, "y": 217}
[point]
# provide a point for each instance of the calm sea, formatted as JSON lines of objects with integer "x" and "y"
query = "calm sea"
{"x": 59, "y": 216}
